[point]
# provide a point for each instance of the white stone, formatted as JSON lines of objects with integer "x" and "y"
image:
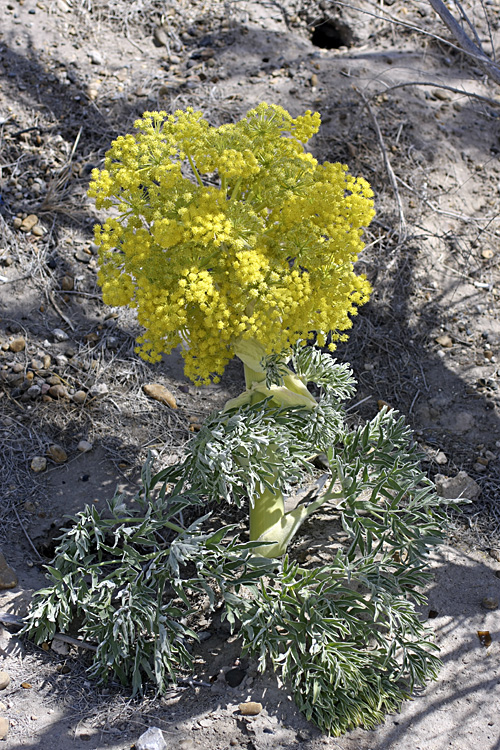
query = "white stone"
{"x": 152, "y": 739}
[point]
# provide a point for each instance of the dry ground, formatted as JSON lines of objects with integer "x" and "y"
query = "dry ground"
{"x": 402, "y": 107}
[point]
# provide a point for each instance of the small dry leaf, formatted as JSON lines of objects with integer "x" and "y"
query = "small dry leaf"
{"x": 484, "y": 638}
{"x": 160, "y": 393}
{"x": 381, "y": 403}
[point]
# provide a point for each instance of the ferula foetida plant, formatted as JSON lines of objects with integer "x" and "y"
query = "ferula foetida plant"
{"x": 226, "y": 234}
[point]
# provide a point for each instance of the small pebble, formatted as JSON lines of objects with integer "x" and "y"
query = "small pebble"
{"x": 82, "y": 256}
{"x": 8, "y": 577}
{"x": 38, "y": 464}
{"x": 84, "y": 446}
{"x": 28, "y": 223}
{"x": 441, "y": 458}
{"x": 490, "y": 602}
{"x": 58, "y": 391}
{"x": 4, "y": 680}
{"x": 79, "y": 397}
{"x": 60, "y": 335}
{"x": 95, "y": 57}
{"x": 99, "y": 389}
{"x": 4, "y": 727}
{"x": 57, "y": 453}
{"x": 160, "y": 36}
{"x": 250, "y": 708}
{"x": 37, "y": 231}
{"x": 67, "y": 283}
{"x": 444, "y": 340}
{"x": 17, "y": 345}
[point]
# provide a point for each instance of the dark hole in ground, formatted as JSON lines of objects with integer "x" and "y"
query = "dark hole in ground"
{"x": 331, "y": 34}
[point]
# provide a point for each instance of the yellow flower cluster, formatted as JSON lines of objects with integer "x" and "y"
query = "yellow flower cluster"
{"x": 227, "y": 234}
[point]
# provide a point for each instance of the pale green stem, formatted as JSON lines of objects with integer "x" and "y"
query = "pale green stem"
{"x": 236, "y": 190}
{"x": 196, "y": 173}
{"x": 268, "y": 520}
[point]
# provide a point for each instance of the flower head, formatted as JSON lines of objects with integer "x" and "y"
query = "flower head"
{"x": 229, "y": 233}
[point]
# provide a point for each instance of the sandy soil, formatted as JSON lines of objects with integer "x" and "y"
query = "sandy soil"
{"x": 404, "y": 109}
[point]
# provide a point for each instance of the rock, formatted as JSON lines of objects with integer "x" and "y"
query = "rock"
{"x": 60, "y": 335}
{"x": 490, "y": 602}
{"x": 495, "y": 554}
{"x": 8, "y": 578}
{"x": 58, "y": 391}
{"x": 46, "y": 361}
{"x": 82, "y": 256}
{"x": 28, "y": 223}
{"x": 38, "y": 464}
{"x": 160, "y": 36}
{"x": 79, "y": 397}
{"x": 34, "y": 391}
{"x": 460, "y": 486}
{"x": 84, "y": 446}
{"x": 60, "y": 647}
{"x": 16, "y": 223}
{"x": 441, "y": 458}
{"x": 57, "y": 453}
{"x": 152, "y": 739}
{"x": 4, "y": 727}
{"x": 444, "y": 340}
{"x": 441, "y": 94}
{"x": 4, "y": 680}
{"x": 38, "y": 231}
{"x": 186, "y": 745}
{"x": 160, "y": 393}
{"x": 250, "y": 708}
{"x": 99, "y": 389}
{"x": 95, "y": 57}
{"x": 67, "y": 283}
{"x": 17, "y": 345}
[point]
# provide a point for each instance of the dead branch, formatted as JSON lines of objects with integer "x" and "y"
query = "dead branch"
{"x": 470, "y": 47}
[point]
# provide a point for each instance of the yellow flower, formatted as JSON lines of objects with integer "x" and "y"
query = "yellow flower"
{"x": 229, "y": 233}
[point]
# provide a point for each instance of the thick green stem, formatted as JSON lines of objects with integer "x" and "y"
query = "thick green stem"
{"x": 266, "y": 510}
{"x": 268, "y": 520}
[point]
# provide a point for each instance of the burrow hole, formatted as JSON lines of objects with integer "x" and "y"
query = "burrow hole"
{"x": 331, "y": 34}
